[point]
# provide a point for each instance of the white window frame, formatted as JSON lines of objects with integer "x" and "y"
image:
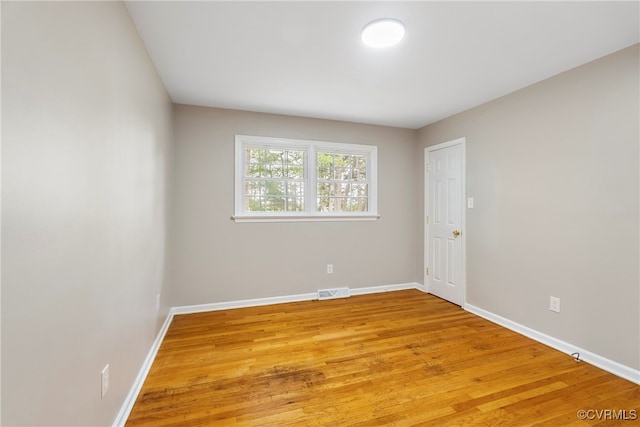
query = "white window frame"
{"x": 310, "y": 212}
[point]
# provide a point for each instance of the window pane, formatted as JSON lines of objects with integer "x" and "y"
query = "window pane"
{"x": 359, "y": 190}
{"x": 343, "y": 189}
{"x": 342, "y": 183}
{"x": 359, "y": 171}
{"x": 276, "y": 171}
{"x": 295, "y": 204}
{"x": 275, "y": 156}
{"x": 295, "y": 172}
{"x": 264, "y": 196}
{"x": 274, "y": 188}
{"x": 328, "y": 189}
{"x": 325, "y": 165}
{"x": 295, "y": 189}
{"x": 253, "y": 204}
{"x": 274, "y": 204}
{"x": 255, "y": 155}
{"x": 323, "y": 204}
{"x": 273, "y": 180}
{"x": 274, "y": 163}
{"x": 252, "y": 188}
{"x": 362, "y": 204}
{"x": 254, "y": 170}
{"x": 295, "y": 158}
{"x": 341, "y": 204}
{"x": 254, "y": 162}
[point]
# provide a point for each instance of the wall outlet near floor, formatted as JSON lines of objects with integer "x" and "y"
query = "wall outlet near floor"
{"x": 554, "y": 304}
{"x": 329, "y": 268}
{"x": 104, "y": 381}
{"x": 158, "y": 302}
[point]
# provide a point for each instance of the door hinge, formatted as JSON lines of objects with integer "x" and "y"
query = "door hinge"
{"x": 428, "y": 167}
{"x": 427, "y": 219}
{"x": 427, "y": 271}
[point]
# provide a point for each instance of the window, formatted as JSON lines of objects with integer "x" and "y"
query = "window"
{"x": 283, "y": 179}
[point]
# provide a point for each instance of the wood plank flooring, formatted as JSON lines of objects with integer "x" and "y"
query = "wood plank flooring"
{"x": 400, "y": 358}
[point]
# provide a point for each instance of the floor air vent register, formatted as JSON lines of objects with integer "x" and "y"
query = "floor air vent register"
{"x": 333, "y": 293}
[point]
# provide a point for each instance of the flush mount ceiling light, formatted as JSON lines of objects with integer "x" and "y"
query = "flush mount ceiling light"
{"x": 383, "y": 33}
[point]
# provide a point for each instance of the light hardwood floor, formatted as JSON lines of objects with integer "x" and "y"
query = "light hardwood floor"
{"x": 395, "y": 359}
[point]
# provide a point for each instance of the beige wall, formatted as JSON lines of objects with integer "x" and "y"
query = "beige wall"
{"x": 215, "y": 259}
{"x": 86, "y": 131}
{"x": 553, "y": 169}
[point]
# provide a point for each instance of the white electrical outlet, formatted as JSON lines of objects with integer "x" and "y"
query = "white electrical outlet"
{"x": 329, "y": 268}
{"x": 554, "y": 304}
{"x": 470, "y": 203}
{"x": 158, "y": 302}
{"x": 104, "y": 381}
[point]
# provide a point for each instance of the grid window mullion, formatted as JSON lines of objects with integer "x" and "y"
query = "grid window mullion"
{"x": 267, "y": 177}
{"x": 279, "y": 176}
{"x": 341, "y": 183}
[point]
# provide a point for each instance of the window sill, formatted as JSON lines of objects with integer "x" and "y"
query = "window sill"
{"x": 301, "y": 218}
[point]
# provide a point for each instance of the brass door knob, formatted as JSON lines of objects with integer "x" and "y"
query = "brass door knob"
{"x": 456, "y": 233}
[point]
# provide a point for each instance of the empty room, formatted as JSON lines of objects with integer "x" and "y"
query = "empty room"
{"x": 320, "y": 213}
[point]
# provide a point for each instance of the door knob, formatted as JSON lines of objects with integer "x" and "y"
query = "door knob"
{"x": 456, "y": 233}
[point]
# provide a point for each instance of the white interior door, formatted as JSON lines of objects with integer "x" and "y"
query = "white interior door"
{"x": 444, "y": 198}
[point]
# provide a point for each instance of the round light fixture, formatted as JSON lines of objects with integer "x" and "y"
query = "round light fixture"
{"x": 383, "y": 33}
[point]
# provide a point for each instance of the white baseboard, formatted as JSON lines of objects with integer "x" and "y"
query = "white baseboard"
{"x": 129, "y": 401}
{"x": 127, "y": 406}
{"x": 384, "y": 288}
{"x": 200, "y": 308}
{"x": 216, "y": 306}
{"x": 601, "y": 362}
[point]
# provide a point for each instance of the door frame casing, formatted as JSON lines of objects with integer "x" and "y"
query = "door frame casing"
{"x": 463, "y": 202}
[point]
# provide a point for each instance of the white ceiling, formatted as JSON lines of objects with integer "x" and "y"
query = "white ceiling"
{"x": 306, "y": 58}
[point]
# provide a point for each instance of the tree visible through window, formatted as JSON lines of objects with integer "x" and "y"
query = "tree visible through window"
{"x": 342, "y": 182}
{"x": 274, "y": 180}
{"x": 289, "y": 178}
